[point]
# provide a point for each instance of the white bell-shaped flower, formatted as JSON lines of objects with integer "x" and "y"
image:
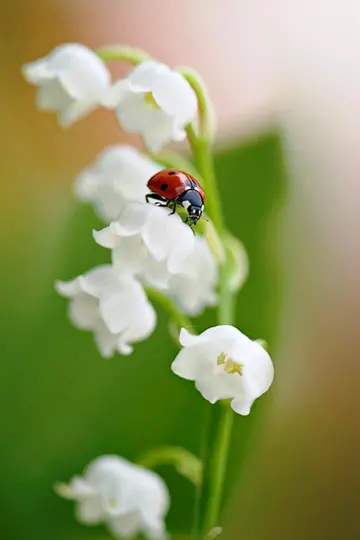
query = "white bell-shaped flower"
{"x": 112, "y": 306}
{"x": 194, "y": 287}
{"x": 119, "y": 175}
{"x": 72, "y": 80}
{"x": 127, "y": 498}
{"x": 147, "y": 242}
{"x": 155, "y": 102}
{"x": 225, "y": 364}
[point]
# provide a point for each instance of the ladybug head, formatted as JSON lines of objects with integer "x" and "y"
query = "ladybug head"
{"x": 192, "y": 201}
{"x": 195, "y": 212}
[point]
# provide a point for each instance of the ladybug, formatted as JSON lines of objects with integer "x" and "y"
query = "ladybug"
{"x": 171, "y": 188}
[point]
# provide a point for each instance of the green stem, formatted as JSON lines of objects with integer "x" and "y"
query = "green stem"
{"x": 219, "y": 437}
{"x": 221, "y": 415}
{"x": 204, "y": 164}
{"x": 206, "y": 116}
{"x": 226, "y": 307}
{"x": 218, "y": 434}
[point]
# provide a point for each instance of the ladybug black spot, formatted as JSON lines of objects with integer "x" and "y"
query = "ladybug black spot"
{"x": 164, "y": 187}
{"x": 171, "y": 173}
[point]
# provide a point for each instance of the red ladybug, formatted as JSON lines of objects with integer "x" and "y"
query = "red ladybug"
{"x": 171, "y": 187}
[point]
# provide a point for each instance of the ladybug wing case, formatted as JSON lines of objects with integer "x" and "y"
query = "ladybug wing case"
{"x": 196, "y": 185}
{"x": 169, "y": 183}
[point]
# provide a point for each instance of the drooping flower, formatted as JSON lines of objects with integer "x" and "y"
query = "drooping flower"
{"x": 225, "y": 364}
{"x": 119, "y": 175}
{"x": 72, "y": 80}
{"x": 147, "y": 242}
{"x": 154, "y": 101}
{"x": 112, "y": 306}
{"x": 126, "y": 497}
{"x": 193, "y": 288}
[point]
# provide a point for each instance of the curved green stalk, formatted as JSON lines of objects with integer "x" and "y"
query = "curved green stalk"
{"x": 168, "y": 305}
{"x": 186, "y": 463}
{"x": 122, "y": 53}
{"x": 205, "y": 110}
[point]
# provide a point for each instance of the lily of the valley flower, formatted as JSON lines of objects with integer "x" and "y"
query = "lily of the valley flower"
{"x": 127, "y": 498}
{"x": 225, "y": 364}
{"x": 193, "y": 288}
{"x": 114, "y": 307}
{"x": 147, "y": 242}
{"x": 154, "y": 101}
{"x": 119, "y": 175}
{"x": 72, "y": 80}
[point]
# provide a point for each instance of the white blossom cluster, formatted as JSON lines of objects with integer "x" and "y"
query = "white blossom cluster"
{"x": 149, "y": 249}
{"x": 153, "y": 100}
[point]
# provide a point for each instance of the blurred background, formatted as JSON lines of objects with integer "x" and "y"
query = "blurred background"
{"x": 285, "y": 80}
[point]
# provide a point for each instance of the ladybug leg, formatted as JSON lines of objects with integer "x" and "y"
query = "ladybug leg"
{"x": 173, "y": 209}
{"x": 157, "y": 200}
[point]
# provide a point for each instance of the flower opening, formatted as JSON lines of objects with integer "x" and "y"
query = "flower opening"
{"x": 229, "y": 365}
